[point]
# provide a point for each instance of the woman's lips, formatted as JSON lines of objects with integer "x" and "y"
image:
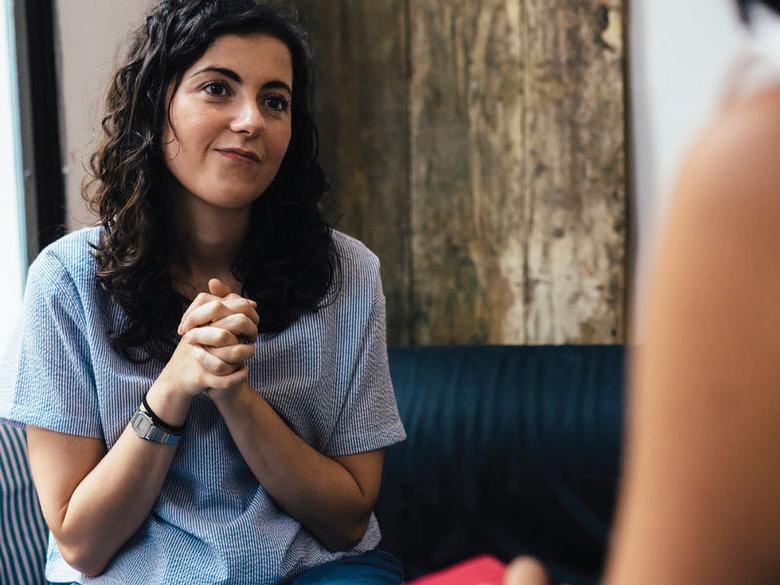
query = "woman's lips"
{"x": 238, "y": 157}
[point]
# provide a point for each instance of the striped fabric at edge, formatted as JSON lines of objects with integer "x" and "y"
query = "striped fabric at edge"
{"x": 22, "y": 527}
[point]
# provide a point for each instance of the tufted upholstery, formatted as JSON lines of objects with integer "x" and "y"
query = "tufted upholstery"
{"x": 510, "y": 449}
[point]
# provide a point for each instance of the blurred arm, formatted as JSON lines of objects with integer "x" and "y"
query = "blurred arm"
{"x": 701, "y": 503}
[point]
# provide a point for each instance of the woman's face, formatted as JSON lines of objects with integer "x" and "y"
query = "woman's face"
{"x": 232, "y": 120}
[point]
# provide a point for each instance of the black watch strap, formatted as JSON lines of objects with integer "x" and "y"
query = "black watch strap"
{"x": 158, "y": 422}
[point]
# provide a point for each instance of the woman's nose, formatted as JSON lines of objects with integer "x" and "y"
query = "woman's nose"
{"x": 249, "y": 119}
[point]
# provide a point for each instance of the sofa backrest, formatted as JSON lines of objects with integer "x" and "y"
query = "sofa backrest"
{"x": 510, "y": 449}
{"x": 22, "y": 528}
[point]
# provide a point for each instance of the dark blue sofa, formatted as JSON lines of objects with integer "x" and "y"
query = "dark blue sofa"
{"x": 510, "y": 450}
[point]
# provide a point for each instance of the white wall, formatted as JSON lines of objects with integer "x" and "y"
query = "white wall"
{"x": 680, "y": 53}
{"x": 90, "y": 34}
{"x": 12, "y": 259}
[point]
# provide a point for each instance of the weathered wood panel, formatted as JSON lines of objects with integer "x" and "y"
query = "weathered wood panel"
{"x": 574, "y": 183}
{"x": 467, "y": 142}
{"x": 489, "y": 172}
{"x": 360, "y": 59}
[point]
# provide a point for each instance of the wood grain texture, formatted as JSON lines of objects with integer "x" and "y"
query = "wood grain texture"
{"x": 360, "y": 60}
{"x": 574, "y": 180}
{"x": 467, "y": 143}
{"x": 478, "y": 146}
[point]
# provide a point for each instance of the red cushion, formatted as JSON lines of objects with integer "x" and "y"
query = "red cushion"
{"x": 484, "y": 570}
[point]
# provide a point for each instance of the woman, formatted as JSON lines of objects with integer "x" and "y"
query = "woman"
{"x": 204, "y": 375}
{"x": 701, "y": 502}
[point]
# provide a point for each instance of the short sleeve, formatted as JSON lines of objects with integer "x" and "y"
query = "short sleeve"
{"x": 369, "y": 418}
{"x": 51, "y": 383}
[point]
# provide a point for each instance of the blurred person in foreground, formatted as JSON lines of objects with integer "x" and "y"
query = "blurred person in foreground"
{"x": 701, "y": 499}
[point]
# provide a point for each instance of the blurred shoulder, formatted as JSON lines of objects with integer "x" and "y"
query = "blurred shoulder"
{"x": 733, "y": 169}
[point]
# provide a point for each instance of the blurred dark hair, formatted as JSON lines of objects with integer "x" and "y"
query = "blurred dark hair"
{"x": 744, "y": 7}
{"x": 288, "y": 261}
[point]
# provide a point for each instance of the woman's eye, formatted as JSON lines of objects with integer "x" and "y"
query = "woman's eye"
{"x": 216, "y": 88}
{"x": 277, "y": 103}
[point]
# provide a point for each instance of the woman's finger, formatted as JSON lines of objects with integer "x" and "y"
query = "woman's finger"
{"x": 240, "y": 326}
{"x": 239, "y": 305}
{"x": 200, "y": 300}
{"x": 212, "y": 364}
{"x": 214, "y": 336}
{"x": 204, "y": 314}
{"x": 232, "y": 354}
{"x": 218, "y": 288}
{"x": 217, "y": 309}
{"x": 224, "y": 382}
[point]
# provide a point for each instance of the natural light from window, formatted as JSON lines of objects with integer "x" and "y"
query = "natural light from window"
{"x": 12, "y": 261}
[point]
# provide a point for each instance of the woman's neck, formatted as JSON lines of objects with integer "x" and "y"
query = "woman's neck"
{"x": 209, "y": 239}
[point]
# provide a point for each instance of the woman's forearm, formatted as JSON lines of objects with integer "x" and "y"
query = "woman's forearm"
{"x": 314, "y": 489}
{"x": 115, "y": 498}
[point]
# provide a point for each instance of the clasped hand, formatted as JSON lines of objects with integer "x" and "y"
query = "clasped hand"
{"x": 218, "y": 330}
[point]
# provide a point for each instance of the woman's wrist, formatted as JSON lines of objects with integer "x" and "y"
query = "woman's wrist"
{"x": 227, "y": 397}
{"x": 168, "y": 405}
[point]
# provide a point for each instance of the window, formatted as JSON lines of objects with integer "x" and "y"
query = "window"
{"x": 13, "y": 251}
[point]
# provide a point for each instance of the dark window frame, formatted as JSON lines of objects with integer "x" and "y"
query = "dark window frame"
{"x": 39, "y": 95}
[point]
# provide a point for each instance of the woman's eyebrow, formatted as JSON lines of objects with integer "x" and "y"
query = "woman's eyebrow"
{"x": 222, "y": 70}
{"x": 275, "y": 84}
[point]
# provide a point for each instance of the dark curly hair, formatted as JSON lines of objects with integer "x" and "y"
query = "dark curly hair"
{"x": 287, "y": 263}
{"x": 744, "y": 6}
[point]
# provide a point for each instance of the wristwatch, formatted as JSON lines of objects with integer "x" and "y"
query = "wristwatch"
{"x": 144, "y": 426}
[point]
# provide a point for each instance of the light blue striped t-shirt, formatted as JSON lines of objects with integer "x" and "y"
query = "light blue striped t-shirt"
{"x": 326, "y": 375}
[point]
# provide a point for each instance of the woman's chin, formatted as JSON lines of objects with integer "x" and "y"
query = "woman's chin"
{"x": 230, "y": 200}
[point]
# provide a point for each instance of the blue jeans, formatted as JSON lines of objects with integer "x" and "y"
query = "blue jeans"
{"x": 376, "y": 567}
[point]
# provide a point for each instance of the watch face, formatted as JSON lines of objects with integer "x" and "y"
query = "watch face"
{"x": 142, "y": 424}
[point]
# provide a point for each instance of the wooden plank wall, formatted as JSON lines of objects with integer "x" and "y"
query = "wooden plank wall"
{"x": 478, "y": 147}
